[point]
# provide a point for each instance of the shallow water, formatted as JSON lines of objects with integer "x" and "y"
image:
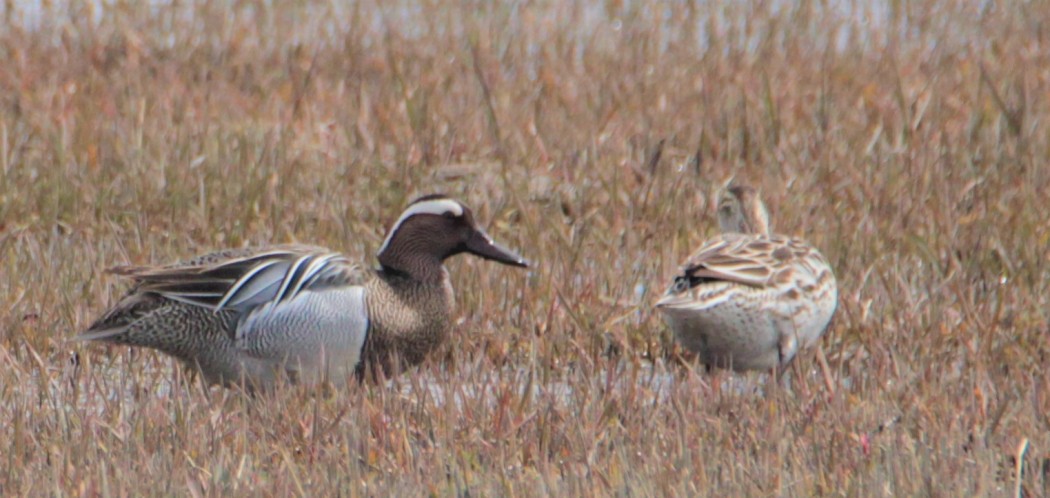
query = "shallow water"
{"x": 118, "y": 383}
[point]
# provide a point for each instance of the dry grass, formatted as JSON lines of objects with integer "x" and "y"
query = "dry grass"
{"x": 909, "y": 142}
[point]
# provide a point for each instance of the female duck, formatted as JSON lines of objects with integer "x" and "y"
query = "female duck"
{"x": 746, "y": 299}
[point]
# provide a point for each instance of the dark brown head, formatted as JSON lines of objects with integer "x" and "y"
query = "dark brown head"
{"x": 433, "y": 228}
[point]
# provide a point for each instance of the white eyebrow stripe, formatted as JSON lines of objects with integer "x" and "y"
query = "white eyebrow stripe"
{"x": 431, "y": 206}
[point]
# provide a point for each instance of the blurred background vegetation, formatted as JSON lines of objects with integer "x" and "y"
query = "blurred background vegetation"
{"x": 906, "y": 140}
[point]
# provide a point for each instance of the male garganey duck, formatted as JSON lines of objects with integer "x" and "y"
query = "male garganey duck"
{"x": 301, "y": 312}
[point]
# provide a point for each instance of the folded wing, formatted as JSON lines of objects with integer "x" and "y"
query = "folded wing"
{"x": 246, "y": 283}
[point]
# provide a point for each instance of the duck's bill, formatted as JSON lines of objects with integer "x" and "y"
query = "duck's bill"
{"x": 672, "y": 300}
{"x": 482, "y": 245}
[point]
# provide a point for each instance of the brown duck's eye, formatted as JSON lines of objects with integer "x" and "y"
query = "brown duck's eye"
{"x": 681, "y": 284}
{"x": 449, "y": 214}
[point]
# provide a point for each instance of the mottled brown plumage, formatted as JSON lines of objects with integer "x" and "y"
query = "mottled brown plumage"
{"x": 747, "y": 299}
{"x": 420, "y": 328}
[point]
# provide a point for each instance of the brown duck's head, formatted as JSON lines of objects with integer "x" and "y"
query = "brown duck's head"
{"x": 741, "y": 210}
{"x": 433, "y": 228}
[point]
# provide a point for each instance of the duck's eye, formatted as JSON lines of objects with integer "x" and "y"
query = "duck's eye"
{"x": 681, "y": 284}
{"x": 449, "y": 214}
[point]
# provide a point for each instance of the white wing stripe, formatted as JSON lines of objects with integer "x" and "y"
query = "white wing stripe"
{"x": 289, "y": 276}
{"x": 241, "y": 282}
{"x": 317, "y": 264}
{"x": 259, "y": 283}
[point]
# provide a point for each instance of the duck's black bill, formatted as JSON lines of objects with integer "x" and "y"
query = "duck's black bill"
{"x": 482, "y": 245}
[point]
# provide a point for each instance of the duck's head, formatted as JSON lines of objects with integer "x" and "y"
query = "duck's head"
{"x": 433, "y": 228}
{"x": 741, "y": 210}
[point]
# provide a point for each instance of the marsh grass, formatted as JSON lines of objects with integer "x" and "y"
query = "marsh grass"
{"x": 906, "y": 140}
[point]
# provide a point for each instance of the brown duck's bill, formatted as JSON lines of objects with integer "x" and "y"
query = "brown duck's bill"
{"x": 673, "y": 300}
{"x": 482, "y": 245}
